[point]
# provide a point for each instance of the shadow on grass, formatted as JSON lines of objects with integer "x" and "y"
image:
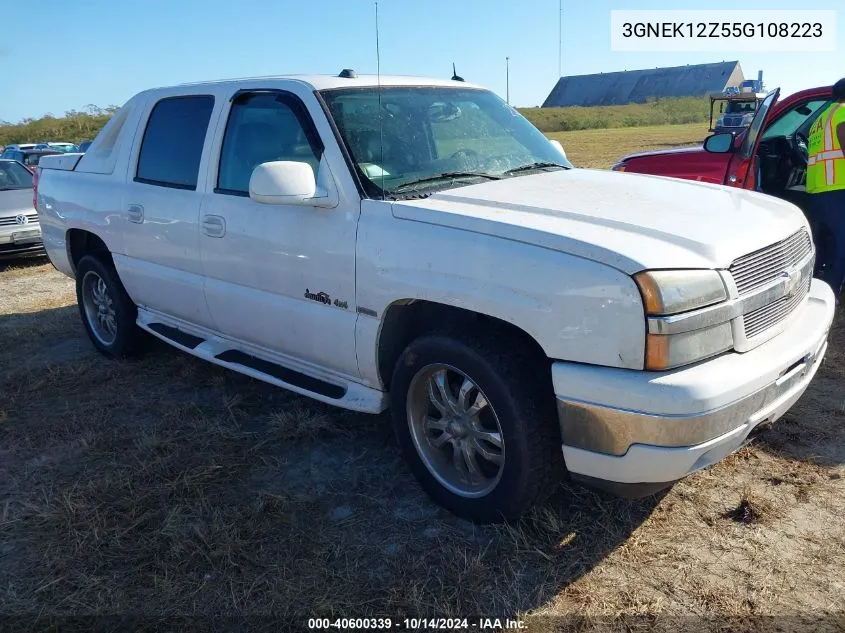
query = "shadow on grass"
{"x": 24, "y": 261}
{"x": 164, "y": 485}
{"x": 36, "y": 339}
{"x": 811, "y": 431}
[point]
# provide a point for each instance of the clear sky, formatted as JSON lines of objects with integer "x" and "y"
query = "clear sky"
{"x": 58, "y": 55}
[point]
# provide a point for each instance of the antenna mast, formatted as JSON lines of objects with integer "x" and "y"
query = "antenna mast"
{"x": 380, "y": 124}
{"x": 508, "y": 80}
{"x": 560, "y": 39}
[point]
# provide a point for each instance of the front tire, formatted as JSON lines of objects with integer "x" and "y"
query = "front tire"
{"x": 477, "y": 425}
{"x": 108, "y": 314}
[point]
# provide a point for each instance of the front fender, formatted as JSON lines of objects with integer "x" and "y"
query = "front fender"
{"x": 576, "y": 309}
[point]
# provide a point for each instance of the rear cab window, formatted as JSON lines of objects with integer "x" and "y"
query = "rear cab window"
{"x": 172, "y": 145}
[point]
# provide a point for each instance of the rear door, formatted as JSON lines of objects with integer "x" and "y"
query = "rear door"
{"x": 161, "y": 266}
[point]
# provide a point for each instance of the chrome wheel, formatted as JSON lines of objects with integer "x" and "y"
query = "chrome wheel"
{"x": 99, "y": 308}
{"x": 455, "y": 431}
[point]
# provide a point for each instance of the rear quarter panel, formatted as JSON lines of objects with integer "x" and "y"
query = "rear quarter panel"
{"x": 72, "y": 197}
{"x": 72, "y": 200}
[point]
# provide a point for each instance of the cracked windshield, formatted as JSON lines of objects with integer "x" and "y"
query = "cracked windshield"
{"x": 425, "y": 138}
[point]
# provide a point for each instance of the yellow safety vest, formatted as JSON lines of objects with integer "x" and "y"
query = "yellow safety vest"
{"x": 826, "y": 164}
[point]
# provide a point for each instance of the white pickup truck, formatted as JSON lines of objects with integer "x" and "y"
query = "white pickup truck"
{"x": 417, "y": 244}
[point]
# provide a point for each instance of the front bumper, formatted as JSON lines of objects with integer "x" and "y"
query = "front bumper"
{"x": 20, "y": 240}
{"x": 638, "y": 428}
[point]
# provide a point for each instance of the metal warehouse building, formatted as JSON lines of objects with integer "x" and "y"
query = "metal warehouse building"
{"x": 636, "y": 86}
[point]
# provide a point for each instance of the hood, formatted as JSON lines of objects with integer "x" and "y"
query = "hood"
{"x": 628, "y": 221}
{"x": 16, "y": 201}
{"x": 695, "y": 149}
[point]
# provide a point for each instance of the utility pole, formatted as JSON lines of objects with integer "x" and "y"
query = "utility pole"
{"x": 508, "y": 80}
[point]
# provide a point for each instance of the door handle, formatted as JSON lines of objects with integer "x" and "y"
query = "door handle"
{"x": 214, "y": 226}
{"x": 135, "y": 213}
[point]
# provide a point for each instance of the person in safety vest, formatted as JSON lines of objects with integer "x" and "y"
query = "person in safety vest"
{"x": 826, "y": 186}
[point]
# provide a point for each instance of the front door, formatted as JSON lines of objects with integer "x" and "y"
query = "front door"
{"x": 743, "y": 164}
{"x": 278, "y": 276}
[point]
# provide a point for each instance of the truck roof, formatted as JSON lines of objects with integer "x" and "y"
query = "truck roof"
{"x": 325, "y": 82}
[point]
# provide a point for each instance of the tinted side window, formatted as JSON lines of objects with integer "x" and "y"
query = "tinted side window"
{"x": 265, "y": 127}
{"x": 173, "y": 141}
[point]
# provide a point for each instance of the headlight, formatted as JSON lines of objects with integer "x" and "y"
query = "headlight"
{"x": 622, "y": 166}
{"x": 673, "y": 292}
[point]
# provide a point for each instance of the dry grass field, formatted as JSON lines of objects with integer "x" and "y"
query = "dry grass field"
{"x": 166, "y": 487}
{"x": 602, "y": 148}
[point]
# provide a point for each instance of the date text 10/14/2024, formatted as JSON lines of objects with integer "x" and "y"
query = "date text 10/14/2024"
{"x": 416, "y": 624}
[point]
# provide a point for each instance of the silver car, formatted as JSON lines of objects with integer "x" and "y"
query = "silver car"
{"x": 20, "y": 233}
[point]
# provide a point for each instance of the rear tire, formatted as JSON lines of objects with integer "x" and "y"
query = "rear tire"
{"x": 477, "y": 425}
{"x": 108, "y": 314}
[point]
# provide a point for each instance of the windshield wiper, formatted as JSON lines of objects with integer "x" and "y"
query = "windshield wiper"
{"x": 449, "y": 175}
{"x": 530, "y": 166}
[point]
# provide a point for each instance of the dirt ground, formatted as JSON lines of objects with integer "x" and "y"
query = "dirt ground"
{"x": 166, "y": 486}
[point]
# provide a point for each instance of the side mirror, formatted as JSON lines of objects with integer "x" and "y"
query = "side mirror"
{"x": 719, "y": 143}
{"x": 284, "y": 182}
{"x": 559, "y": 147}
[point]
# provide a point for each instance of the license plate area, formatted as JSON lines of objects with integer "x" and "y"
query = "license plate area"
{"x": 26, "y": 237}
{"x": 798, "y": 370}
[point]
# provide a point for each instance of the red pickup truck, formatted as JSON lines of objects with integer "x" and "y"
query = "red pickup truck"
{"x": 770, "y": 156}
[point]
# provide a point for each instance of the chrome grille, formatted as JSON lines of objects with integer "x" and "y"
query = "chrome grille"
{"x": 762, "y": 319}
{"x": 756, "y": 269}
{"x": 11, "y": 221}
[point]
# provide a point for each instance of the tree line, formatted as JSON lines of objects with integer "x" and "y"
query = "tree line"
{"x": 74, "y": 127}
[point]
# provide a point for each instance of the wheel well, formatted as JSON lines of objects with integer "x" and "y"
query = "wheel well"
{"x": 405, "y": 321}
{"x": 81, "y": 243}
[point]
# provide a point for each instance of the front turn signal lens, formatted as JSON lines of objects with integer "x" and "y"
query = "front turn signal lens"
{"x": 667, "y": 351}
